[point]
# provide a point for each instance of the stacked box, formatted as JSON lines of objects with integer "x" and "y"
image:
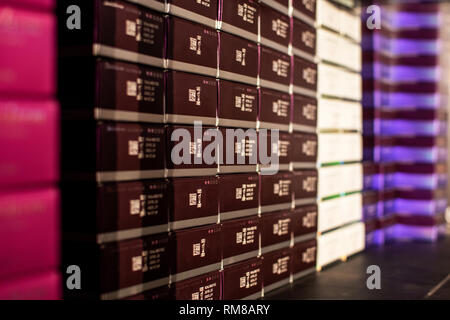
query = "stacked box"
{"x": 29, "y": 162}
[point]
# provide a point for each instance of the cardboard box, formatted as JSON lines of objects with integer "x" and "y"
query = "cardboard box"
{"x": 304, "y": 77}
{"x": 274, "y": 109}
{"x": 195, "y": 252}
{"x": 238, "y": 105}
{"x": 29, "y": 228}
{"x": 28, "y": 47}
{"x": 304, "y": 225}
{"x": 240, "y": 150}
{"x": 420, "y": 176}
{"x": 305, "y": 10}
{"x": 340, "y": 211}
{"x": 274, "y": 69}
{"x": 240, "y": 239}
{"x": 274, "y": 29}
{"x": 190, "y": 98}
{"x": 115, "y": 211}
{"x": 338, "y": 179}
{"x": 276, "y": 230}
{"x": 339, "y": 82}
{"x": 112, "y": 90}
{"x": 238, "y": 195}
{"x": 276, "y": 191}
{"x": 277, "y": 269}
{"x": 139, "y": 151}
{"x": 335, "y": 114}
{"x": 304, "y": 113}
{"x": 339, "y": 147}
{"x": 304, "y": 150}
{"x": 193, "y": 202}
{"x": 191, "y": 47}
{"x": 305, "y": 187}
{"x": 204, "y": 12}
{"x": 243, "y": 281}
{"x": 304, "y": 256}
{"x": 43, "y": 286}
{"x": 280, "y": 5}
{"x": 304, "y": 38}
{"x": 29, "y": 140}
{"x": 161, "y": 293}
{"x": 205, "y": 287}
{"x": 138, "y": 33}
{"x": 240, "y": 17}
{"x": 370, "y": 205}
{"x": 421, "y": 202}
{"x": 238, "y": 59}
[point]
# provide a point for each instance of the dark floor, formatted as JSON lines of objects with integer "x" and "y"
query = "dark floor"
{"x": 408, "y": 271}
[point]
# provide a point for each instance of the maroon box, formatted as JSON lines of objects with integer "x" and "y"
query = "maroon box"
{"x": 195, "y": 252}
{"x": 276, "y": 191}
{"x": 277, "y": 269}
{"x": 112, "y": 90}
{"x": 239, "y": 150}
{"x": 240, "y": 17}
{"x": 305, "y": 10}
{"x": 276, "y": 230}
{"x": 138, "y": 151}
{"x": 304, "y": 113}
{"x": 304, "y": 150}
{"x": 240, "y": 239}
{"x": 243, "y": 281}
{"x": 203, "y": 11}
{"x": 116, "y": 211}
{"x": 304, "y": 77}
{"x": 190, "y": 98}
{"x": 189, "y": 157}
{"x": 305, "y": 186}
{"x": 238, "y": 195}
{"x": 238, "y": 59}
{"x": 304, "y": 221}
{"x": 238, "y": 105}
{"x": 114, "y": 29}
{"x": 120, "y": 269}
{"x": 275, "y": 29}
{"x": 161, "y": 293}
{"x": 194, "y": 202}
{"x": 191, "y": 47}
{"x": 274, "y": 109}
{"x": 304, "y": 38}
{"x": 204, "y": 287}
{"x": 280, "y": 5}
{"x": 274, "y": 69}
{"x": 304, "y": 258}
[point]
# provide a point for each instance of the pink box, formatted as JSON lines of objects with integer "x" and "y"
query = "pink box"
{"x": 29, "y": 224}
{"x": 31, "y": 4}
{"x": 44, "y": 286}
{"x": 29, "y": 132}
{"x": 27, "y": 52}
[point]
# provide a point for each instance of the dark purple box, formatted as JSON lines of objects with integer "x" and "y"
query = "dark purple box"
{"x": 277, "y": 269}
{"x": 276, "y": 191}
{"x": 243, "y": 280}
{"x": 240, "y": 239}
{"x": 195, "y": 252}
{"x": 186, "y": 158}
{"x": 276, "y": 230}
{"x": 190, "y": 98}
{"x": 274, "y": 69}
{"x": 274, "y": 109}
{"x": 285, "y": 150}
{"x": 239, "y": 150}
{"x": 112, "y": 90}
{"x": 280, "y": 5}
{"x": 304, "y": 113}
{"x": 304, "y": 77}
{"x": 304, "y": 258}
{"x": 304, "y": 38}
{"x": 238, "y": 195}
{"x": 304, "y": 222}
{"x": 240, "y": 17}
{"x": 199, "y": 11}
{"x": 275, "y": 29}
{"x": 304, "y": 150}
{"x": 161, "y": 293}
{"x": 305, "y": 10}
{"x": 238, "y": 59}
{"x": 305, "y": 186}
{"x": 194, "y": 202}
{"x": 191, "y": 47}
{"x": 115, "y": 211}
{"x": 370, "y": 205}
{"x": 88, "y": 148}
{"x": 238, "y": 105}
{"x": 114, "y": 29}
{"x": 204, "y": 287}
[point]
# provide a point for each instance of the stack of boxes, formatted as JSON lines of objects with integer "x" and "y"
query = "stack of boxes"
{"x": 29, "y": 160}
{"x": 134, "y": 80}
{"x": 406, "y": 122}
{"x": 341, "y": 232}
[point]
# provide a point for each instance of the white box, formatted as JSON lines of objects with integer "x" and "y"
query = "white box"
{"x": 335, "y": 114}
{"x": 350, "y": 25}
{"x": 339, "y": 147}
{"x": 340, "y": 179}
{"x": 337, "y": 212}
{"x": 328, "y": 15}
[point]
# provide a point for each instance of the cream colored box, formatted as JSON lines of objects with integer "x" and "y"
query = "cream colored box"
{"x": 335, "y": 114}
{"x": 339, "y": 179}
{"x": 339, "y": 147}
{"x": 337, "y": 212}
